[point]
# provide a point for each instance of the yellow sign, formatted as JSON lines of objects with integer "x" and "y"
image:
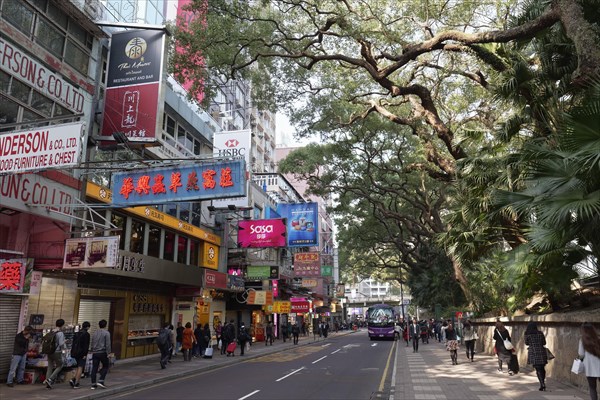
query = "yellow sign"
{"x": 282, "y": 307}
{"x": 309, "y": 283}
{"x": 210, "y": 256}
{"x": 152, "y": 214}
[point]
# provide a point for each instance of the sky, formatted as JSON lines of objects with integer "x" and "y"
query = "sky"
{"x": 285, "y": 132}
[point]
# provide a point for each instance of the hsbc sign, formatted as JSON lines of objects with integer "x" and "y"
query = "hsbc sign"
{"x": 233, "y": 144}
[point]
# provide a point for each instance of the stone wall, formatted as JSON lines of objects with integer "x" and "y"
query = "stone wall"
{"x": 562, "y": 331}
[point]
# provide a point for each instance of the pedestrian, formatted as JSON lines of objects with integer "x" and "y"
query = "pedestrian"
{"x": 178, "y": 338}
{"x": 101, "y": 348}
{"x": 414, "y": 333}
{"x": 536, "y": 352}
{"x": 165, "y": 344}
{"x": 469, "y": 336}
{"x": 228, "y": 336}
{"x": 172, "y": 344}
{"x": 269, "y": 333}
{"x": 243, "y": 338}
{"x": 198, "y": 333}
{"x": 295, "y": 332}
{"x": 504, "y": 354}
{"x": 219, "y": 333}
{"x": 19, "y": 357}
{"x": 589, "y": 351}
{"x": 187, "y": 342}
{"x": 204, "y": 339}
{"x": 452, "y": 343}
{"x": 55, "y": 340}
{"x": 79, "y": 352}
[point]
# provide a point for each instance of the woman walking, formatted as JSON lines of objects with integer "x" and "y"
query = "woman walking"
{"x": 589, "y": 351}
{"x": 187, "y": 342}
{"x": 504, "y": 355}
{"x": 452, "y": 344}
{"x": 536, "y": 352}
{"x": 469, "y": 336}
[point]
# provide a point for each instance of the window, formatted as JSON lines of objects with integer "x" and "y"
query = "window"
{"x": 171, "y": 209}
{"x": 77, "y": 58}
{"x": 194, "y": 252}
{"x": 182, "y": 242}
{"x": 184, "y": 211}
{"x": 50, "y": 38}
{"x": 41, "y": 103}
{"x": 169, "y": 246}
{"x": 154, "y": 241}
{"x": 119, "y": 221}
{"x": 136, "y": 241}
{"x": 18, "y": 14}
{"x": 20, "y": 91}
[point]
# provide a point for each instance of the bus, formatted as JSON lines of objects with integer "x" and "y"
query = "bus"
{"x": 380, "y": 321}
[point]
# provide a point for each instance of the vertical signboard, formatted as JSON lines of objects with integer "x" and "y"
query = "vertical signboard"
{"x": 302, "y": 223}
{"x": 210, "y": 256}
{"x": 12, "y": 275}
{"x": 133, "y": 104}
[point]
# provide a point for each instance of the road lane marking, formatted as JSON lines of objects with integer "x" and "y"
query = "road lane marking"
{"x": 316, "y": 361}
{"x": 374, "y": 344}
{"x": 290, "y": 374}
{"x": 393, "y": 383}
{"x": 333, "y": 352}
{"x": 248, "y": 395}
{"x": 387, "y": 365}
{"x": 325, "y": 345}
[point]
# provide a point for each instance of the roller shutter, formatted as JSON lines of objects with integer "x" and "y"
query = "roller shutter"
{"x": 93, "y": 311}
{"x": 10, "y": 310}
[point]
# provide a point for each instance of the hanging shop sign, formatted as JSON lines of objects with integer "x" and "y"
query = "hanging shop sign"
{"x": 260, "y": 297}
{"x": 17, "y": 63}
{"x": 93, "y": 252}
{"x": 12, "y": 275}
{"x": 261, "y": 272}
{"x": 326, "y": 270}
{"x": 282, "y": 307}
{"x": 261, "y": 233}
{"x": 186, "y": 183}
{"x": 300, "y": 307}
{"x": 210, "y": 256}
{"x": 132, "y": 102}
{"x": 301, "y": 222}
{"x": 309, "y": 282}
{"x": 235, "y": 283}
{"x": 215, "y": 280}
{"x": 307, "y": 264}
{"x": 57, "y": 146}
{"x": 340, "y": 290}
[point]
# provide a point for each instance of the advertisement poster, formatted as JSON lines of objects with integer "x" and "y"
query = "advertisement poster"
{"x": 302, "y": 223}
{"x": 261, "y": 233}
{"x": 307, "y": 264}
{"x": 93, "y": 252}
{"x": 262, "y": 272}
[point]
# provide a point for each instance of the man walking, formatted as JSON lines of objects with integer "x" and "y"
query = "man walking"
{"x": 269, "y": 332}
{"x": 228, "y": 336}
{"x": 56, "y": 340}
{"x": 414, "y": 333}
{"x": 295, "y": 332}
{"x": 101, "y": 347}
{"x": 19, "y": 357}
{"x": 79, "y": 351}
{"x": 164, "y": 342}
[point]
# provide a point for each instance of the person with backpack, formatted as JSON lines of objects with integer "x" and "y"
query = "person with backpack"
{"x": 53, "y": 344}
{"x": 79, "y": 351}
{"x": 243, "y": 338}
{"x": 101, "y": 348}
{"x": 163, "y": 341}
{"x": 295, "y": 332}
{"x": 19, "y": 357}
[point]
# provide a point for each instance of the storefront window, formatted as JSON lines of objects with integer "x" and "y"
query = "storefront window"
{"x": 194, "y": 252}
{"x": 154, "y": 241}
{"x": 136, "y": 242}
{"x": 169, "y": 246}
{"x": 119, "y": 221}
{"x": 182, "y": 250}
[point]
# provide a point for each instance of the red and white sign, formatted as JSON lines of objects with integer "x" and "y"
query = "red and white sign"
{"x": 56, "y": 146}
{"x": 261, "y": 233}
{"x": 215, "y": 280}
{"x": 19, "y": 64}
{"x": 300, "y": 307}
{"x": 233, "y": 144}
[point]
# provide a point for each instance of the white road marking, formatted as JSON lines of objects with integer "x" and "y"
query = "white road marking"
{"x": 325, "y": 345}
{"x": 351, "y": 345}
{"x": 333, "y": 352}
{"x": 248, "y": 395}
{"x": 374, "y": 344}
{"x": 290, "y": 374}
{"x": 316, "y": 361}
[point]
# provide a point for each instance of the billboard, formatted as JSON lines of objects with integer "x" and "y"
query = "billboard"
{"x": 215, "y": 280}
{"x": 302, "y": 223}
{"x": 185, "y": 183}
{"x": 92, "y": 252}
{"x": 307, "y": 264}
{"x": 133, "y": 102}
{"x": 262, "y": 272}
{"x": 261, "y": 233}
{"x": 56, "y": 146}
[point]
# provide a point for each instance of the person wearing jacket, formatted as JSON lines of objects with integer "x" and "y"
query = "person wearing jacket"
{"x": 536, "y": 352}
{"x": 100, "y": 348}
{"x": 469, "y": 336}
{"x": 414, "y": 333}
{"x": 452, "y": 343}
{"x": 55, "y": 360}
{"x": 19, "y": 357}
{"x": 589, "y": 351}
{"x": 80, "y": 353}
{"x": 504, "y": 355}
{"x": 188, "y": 341}
{"x": 243, "y": 337}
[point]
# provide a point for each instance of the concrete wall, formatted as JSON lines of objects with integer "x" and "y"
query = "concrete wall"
{"x": 562, "y": 331}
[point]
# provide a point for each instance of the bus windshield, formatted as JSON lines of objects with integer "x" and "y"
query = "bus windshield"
{"x": 380, "y": 316}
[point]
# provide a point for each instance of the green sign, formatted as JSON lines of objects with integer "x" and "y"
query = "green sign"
{"x": 326, "y": 270}
{"x": 260, "y": 272}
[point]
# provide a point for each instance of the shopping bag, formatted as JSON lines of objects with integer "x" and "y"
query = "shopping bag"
{"x": 577, "y": 367}
{"x": 208, "y": 353}
{"x": 219, "y": 344}
{"x": 247, "y": 346}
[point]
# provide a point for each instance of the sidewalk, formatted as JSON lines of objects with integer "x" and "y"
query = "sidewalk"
{"x": 429, "y": 374}
{"x": 139, "y": 372}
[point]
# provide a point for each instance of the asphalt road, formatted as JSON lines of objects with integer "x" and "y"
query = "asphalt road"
{"x": 343, "y": 367}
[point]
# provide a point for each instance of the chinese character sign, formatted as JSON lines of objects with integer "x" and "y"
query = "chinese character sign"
{"x": 12, "y": 275}
{"x": 302, "y": 223}
{"x": 132, "y": 100}
{"x": 186, "y": 183}
{"x": 307, "y": 264}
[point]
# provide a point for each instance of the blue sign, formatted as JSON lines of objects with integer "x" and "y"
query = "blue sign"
{"x": 192, "y": 182}
{"x": 302, "y": 223}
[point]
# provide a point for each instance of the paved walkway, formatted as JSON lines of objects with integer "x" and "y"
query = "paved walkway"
{"x": 430, "y": 375}
{"x": 426, "y": 375}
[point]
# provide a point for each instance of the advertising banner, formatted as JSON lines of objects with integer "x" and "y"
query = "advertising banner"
{"x": 12, "y": 275}
{"x": 300, "y": 307}
{"x": 185, "y": 183}
{"x": 309, "y": 282}
{"x": 215, "y": 280}
{"x": 133, "y": 89}
{"x": 340, "y": 290}
{"x": 307, "y": 264}
{"x": 56, "y": 146}
{"x": 235, "y": 283}
{"x": 210, "y": 256}
{"x": 93, "y": 252}
{"x": 282, "y": 307}
{"x": 261, "y": 233}
{"x": 260, "y": 297}
{"x": 261, "y": 272}
{"x": 302, "y": 223}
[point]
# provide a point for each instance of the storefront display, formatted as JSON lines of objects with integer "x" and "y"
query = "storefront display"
{"x": 147, "y": 315}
